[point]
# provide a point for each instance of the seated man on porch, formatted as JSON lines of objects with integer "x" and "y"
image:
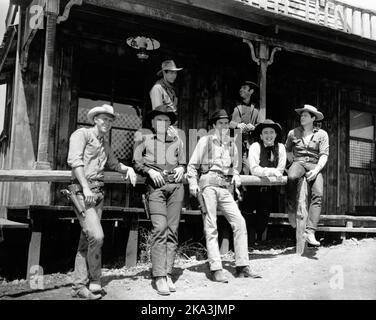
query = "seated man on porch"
{"x": 163, "y": 91}
{"x": 161, "y": 158}
{"x": 214, "y": 163}
{"x": 88, "y": 154}
{"x": 267, "y": 157}
{"x": 308, "y": 150}
{"x": 245, "y": 116}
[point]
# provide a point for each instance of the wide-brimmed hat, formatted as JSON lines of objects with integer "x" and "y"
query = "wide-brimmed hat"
{"x": 267, "y": 123}
{"x": 319, "y": 116}
{"x": 162, "y": 109}
{"x": 105, "y": 108}
{"x": 256, "y": 89}
{"x": 168, "y": 65}
{"x": 219, "y": 114}
{"x": 251, "y": 84}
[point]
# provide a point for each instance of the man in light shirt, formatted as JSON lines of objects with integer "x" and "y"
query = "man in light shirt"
{"x": 214, "y": 170}
{"x": 88, "y": 155}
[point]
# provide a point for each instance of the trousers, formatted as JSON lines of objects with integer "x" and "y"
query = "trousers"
{"x": 221, "y": 198}
{"x": 165, "y": 204}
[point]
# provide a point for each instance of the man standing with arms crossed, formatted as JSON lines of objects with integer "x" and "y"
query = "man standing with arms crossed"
{"x": 88, "y": 155}
{"x": 213, "y": 170}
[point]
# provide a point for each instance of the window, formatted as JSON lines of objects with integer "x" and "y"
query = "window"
{"x": 362, "y": 139}
{"x": 123, "y": 128}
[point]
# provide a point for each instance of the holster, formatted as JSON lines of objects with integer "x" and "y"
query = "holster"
{"x": 202, "y": 204}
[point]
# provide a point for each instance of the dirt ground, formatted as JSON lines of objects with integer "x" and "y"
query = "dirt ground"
{"x": 344, "y": 271}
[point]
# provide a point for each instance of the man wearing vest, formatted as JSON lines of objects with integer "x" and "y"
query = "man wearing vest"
{"x": 308, "y": 149}
{"x": 267, "y": 157}
{"x": 213, "y": 170}
{"x": 88, "y": 154}
{"x": 161, "y": 159}
{"x": 163, "y": 91}
{"x": 245, "y": 117}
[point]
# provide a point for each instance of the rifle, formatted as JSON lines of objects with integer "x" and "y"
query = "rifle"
{"x": 70, "y": 193}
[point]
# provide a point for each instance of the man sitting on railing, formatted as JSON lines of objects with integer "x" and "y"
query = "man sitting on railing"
{"x": 213, "y": 170}
{"x": 88, "y": 155}
{"x": 267, "y": 158}
{"x": 308, "y": 149}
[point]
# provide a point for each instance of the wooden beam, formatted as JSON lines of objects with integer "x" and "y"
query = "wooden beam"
{"x": 301, "y": 215}
{"x": 151, "y": 11}
{"x": 112, "y": 177}
{"x": 346, "y": 229}
{"x": 9, "y": 224}
{"x": 45, "y": 125}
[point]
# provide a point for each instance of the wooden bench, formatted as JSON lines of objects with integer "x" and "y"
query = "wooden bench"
{"x": 35, "y": 215}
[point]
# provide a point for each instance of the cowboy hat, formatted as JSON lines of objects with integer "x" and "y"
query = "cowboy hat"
{"x": 168, "y": 65}
{"x": 251, "y": 84}
{"x": 219, "y": 114}
{"x": 162, "y": 109}
{"x": 267, "y": 123}
{"x": 256, "y": 89}
{"x": 105, "y": 108}
{"x": 319, "y": 116}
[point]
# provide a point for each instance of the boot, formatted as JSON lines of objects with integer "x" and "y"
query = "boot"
{"x": 85, "y": 293}
{"x": 310, "y": 238}
{"x": 95, "y": 288}
{"x": 245, "y": 272}
{"x": 219, "y": 276}
{"x": 170, "y": 284}
{"x": 162, "y": 287}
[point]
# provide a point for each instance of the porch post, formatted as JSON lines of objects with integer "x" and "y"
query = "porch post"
{"x": 43, "y": 159}
{"x": 263, "y": 59}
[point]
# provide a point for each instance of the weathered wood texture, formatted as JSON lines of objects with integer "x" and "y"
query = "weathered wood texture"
{"x": 23, "y": 137}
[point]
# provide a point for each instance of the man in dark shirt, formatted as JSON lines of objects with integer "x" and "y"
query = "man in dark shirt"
{"x": 161, "y": 158}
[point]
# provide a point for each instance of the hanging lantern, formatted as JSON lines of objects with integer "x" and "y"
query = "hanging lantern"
{"x": 143, "y": 45}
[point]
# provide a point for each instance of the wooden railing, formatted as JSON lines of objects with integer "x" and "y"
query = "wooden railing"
{"x": 328, "y": 13}
{"x": 111, "y": 177}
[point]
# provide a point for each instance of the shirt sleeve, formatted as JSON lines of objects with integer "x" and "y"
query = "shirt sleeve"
{"x": 289, "y": 144}
{"x": 138, "y": 150}
{"x": 236, "y": 118}
{"x": 77, "y": 143}
{"x": 282, "y": 158}
{"x": 254, "y": 160}
{"x": 324, "y": 144}
{"x": 195, "y": 161}
{"x": 236, "y": 162}
{"x": 182, "y": 161}
{"x": 156, "y": 96}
